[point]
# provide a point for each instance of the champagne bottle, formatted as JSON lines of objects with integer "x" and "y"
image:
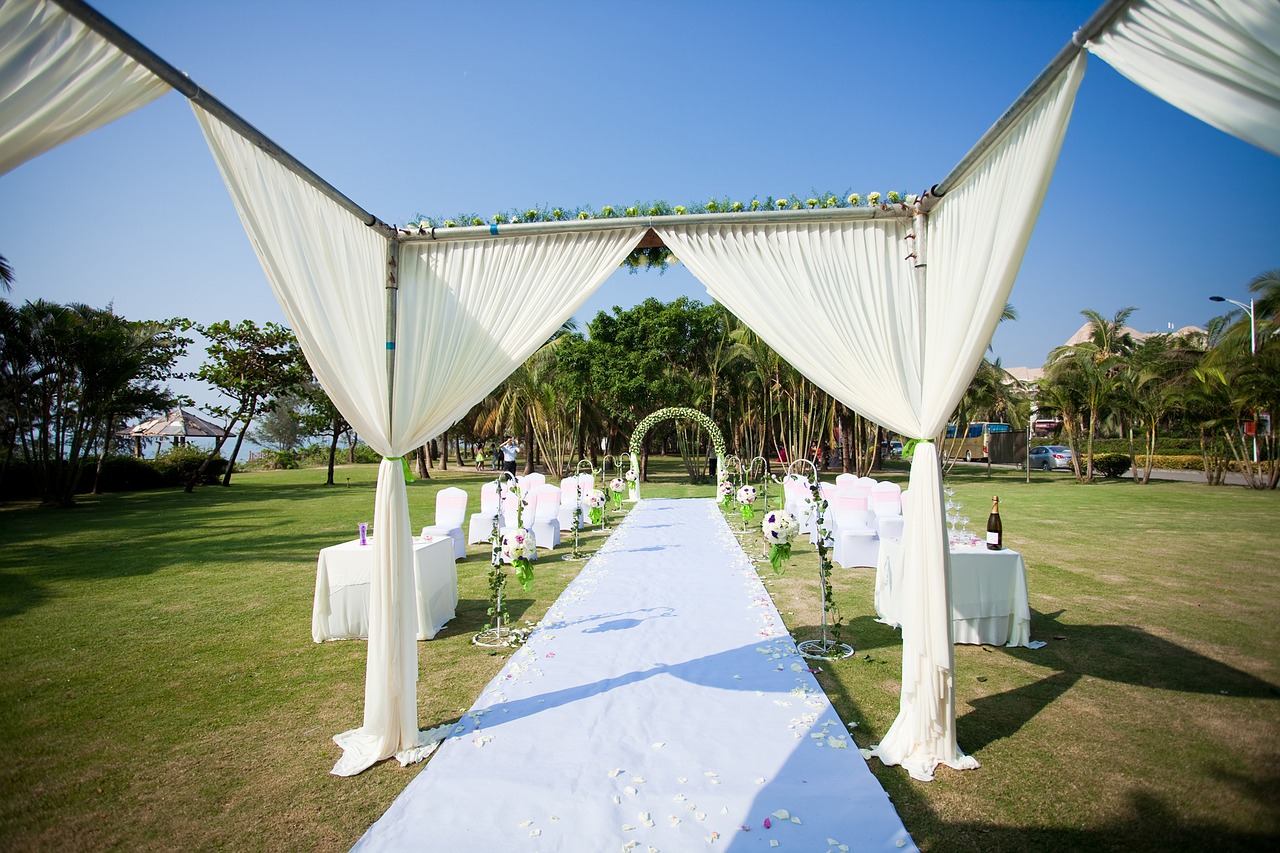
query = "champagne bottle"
{"x": 995, "y": 530}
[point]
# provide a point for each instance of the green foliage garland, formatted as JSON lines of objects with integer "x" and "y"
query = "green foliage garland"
{"x": 658, "y": 256}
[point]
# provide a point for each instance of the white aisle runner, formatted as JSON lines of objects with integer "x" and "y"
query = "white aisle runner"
{"x": 661, "y": 706}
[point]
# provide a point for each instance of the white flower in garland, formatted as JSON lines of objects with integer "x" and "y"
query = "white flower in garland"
{"x": 779, "y": 527}
{"x": 873, "y": 198}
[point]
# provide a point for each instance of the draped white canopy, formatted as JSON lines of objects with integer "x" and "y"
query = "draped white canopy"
{"x": 405, "y": 337}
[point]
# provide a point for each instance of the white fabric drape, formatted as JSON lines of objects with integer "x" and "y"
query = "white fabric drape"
{"x": 60, "y": 80}
{"x": 1218, "y": 60}
{"x": 468, "y": 314}
{"x": 842, "y": 305}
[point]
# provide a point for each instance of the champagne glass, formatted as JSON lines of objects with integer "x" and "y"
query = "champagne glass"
{"x": 964, "y": 526}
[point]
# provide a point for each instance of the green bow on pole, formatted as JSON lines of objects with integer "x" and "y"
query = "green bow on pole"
{"x": 408, "y": 475}
{"x": 909, "y": 448}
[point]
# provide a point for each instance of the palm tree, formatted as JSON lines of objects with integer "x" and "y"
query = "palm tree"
{"x": 1095, "y": 364}
{"x": 6, "y": 274}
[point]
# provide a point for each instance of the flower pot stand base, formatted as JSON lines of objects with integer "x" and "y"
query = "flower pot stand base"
{"x": 825, "y": 650}
{"x": 576, "y": 558}
{"x": 498, "y": 637}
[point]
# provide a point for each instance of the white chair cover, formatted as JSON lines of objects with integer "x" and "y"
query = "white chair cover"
{"x": 481, "y": 524}
{"x": 451, "y": 511}
{"x": 546, "y": 517}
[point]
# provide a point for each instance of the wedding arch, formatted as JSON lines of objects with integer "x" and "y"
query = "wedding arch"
{"x": 671, "y": 413}
{"x": 900, "y": 300}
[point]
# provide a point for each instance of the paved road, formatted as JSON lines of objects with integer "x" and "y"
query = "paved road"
{"x": 1156, "y": 473}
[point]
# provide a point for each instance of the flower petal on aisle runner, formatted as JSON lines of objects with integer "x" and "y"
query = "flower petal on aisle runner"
{"x": 674, "y": 713}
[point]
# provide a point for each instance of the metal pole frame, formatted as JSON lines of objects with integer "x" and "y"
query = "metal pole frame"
{"x": 1099, "y": 21}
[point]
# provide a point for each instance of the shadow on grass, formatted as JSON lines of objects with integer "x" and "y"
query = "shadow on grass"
{"x": 1130, "y": 655}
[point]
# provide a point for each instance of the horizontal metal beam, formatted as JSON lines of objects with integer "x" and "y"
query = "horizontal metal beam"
{"x": 1096, "y": 24}
{"x": 614, "y": 223}
{"x": 101, "y": 25}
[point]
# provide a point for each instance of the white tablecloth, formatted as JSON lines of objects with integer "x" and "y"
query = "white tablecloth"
{"x": 341, "y": 608}
{"x": 988, "y": 594}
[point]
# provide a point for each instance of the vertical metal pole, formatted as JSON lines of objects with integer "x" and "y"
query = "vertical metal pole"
{"x": 1253, "y": 349}
{"x": 393, "y": 293}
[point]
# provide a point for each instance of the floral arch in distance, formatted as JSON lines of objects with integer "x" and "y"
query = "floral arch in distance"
{"x": 642, "y": 429}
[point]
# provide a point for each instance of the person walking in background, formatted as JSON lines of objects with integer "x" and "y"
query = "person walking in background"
{"x": 495, "y": 458}
{"x": 480, "y": 457}
{"x": 510, "y": 450}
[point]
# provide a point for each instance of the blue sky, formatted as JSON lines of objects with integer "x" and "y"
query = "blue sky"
{"x": 439, "y": 108}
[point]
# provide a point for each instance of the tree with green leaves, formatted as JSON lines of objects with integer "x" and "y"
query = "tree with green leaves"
{"x": 70, "y": 373}
{"x": 249, "y": 364}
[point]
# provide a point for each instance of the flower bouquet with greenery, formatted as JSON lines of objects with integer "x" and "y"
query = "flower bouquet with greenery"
{"x": 746, "y": 503}
{"x": 519, "y": 549}
{"x": 618, "y": 487}
{"x": 726, "y": 492}
{"x": 595, "y": 506}
{"x": 779, "y": 527}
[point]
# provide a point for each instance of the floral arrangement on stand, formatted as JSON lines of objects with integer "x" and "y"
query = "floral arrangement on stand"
{"x": 747, "y": 504}
{"x": 726, "y": 492}
{"x": 633, "y": 477}
{"x": 520, "y": 550}
{"x": 618, "y": 487}
{"x": 595, "y": 506}
{"x": 779, "y": 527}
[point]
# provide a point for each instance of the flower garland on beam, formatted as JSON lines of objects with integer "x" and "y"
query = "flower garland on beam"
{"x": 657, "y": 256}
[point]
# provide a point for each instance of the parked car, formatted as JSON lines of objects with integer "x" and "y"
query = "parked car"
{"x": 1050, "y": 456}
{"x": 895, "y": 450}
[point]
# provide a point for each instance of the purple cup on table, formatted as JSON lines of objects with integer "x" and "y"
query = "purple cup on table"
{"x": 364, "y": 533}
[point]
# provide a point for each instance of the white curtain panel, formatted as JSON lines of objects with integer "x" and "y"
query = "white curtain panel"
{"x": 471, "y": 311}
{"x": 468, "y": 312}
{"x": 59, "y": 80}
{"x": 1218, "y": 60}
{"x": 841, "y": 303}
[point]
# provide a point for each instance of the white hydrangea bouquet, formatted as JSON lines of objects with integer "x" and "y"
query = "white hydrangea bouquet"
{"x": 779, "y": 528}
{"x": 519, "y": 549}
{"x": 746, "y": 502}
{"x": 726, "y": 492}
{"x": 595, "y": 506}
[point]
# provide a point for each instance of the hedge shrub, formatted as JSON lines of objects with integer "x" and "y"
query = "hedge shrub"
{"x": 1110, "y": 464}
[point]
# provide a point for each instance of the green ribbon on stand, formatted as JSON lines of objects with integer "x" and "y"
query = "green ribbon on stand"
{"x": 909, "y": 449}
{"x": 408, "y": 475}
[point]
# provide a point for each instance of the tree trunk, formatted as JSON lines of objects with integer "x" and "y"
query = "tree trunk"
{"x": 444, "y": 457}
{"x": 528, "y": 443}
{"x": 102, "y": 454}
{"x": 846, "y": 442}
{"x": 424, "y": 462}
{"x": 235, "y": 451}
{"x": 333, "y": 451}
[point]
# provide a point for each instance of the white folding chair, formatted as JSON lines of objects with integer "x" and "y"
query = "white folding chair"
{"x": 451, "y": 509}
{"x": 846, "y": 480}
{"x": 546, "y": 517}
{"x": 481, "y": 525}
{"x": 533, "y": 481}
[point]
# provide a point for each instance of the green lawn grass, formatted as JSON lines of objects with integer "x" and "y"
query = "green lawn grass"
{"x": 161, "y": 689}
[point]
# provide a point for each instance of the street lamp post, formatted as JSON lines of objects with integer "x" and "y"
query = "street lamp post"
{"x": 1253, "y": 350}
